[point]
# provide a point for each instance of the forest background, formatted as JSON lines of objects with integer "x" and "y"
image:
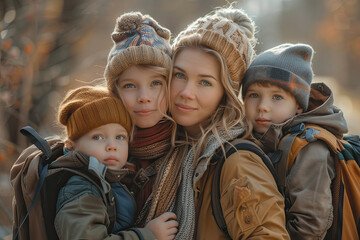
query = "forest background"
{"x": 50, "y": 46}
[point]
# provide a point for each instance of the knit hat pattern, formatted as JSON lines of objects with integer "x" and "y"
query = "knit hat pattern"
{"x": 287, "y": 66}
{"x": 87, "y": 108}
{"x": 230, "y": 32}
{"x": 138, "y": 39}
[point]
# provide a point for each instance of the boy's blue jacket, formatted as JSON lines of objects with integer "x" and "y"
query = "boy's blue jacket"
{"x": 308, "y": 182}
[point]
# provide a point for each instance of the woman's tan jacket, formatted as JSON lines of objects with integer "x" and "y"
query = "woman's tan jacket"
{"x": 252, "y": 205}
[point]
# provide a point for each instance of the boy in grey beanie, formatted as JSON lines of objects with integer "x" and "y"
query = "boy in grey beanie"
{"x": 278, "y": 97}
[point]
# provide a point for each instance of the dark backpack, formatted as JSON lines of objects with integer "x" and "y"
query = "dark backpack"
{"x": 346, "y": 185}
{"x": 238, "y": 144}
{"x": 36, "y": 189}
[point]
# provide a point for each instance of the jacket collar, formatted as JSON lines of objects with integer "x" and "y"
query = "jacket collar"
{"x": 80, "y": 161}
{"x": 210, "y": 149}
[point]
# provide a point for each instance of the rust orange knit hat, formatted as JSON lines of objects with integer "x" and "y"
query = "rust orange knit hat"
{"x": 86, "y": 108}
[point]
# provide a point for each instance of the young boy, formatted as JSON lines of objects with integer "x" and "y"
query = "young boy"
{"x": 98, "y": 126}
{"x": 278, "y": 95}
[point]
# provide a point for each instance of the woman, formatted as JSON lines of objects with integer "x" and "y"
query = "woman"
{"x": 210, "y": 58}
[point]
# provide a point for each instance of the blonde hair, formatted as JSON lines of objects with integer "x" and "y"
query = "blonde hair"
{"x": 229, "y": 113}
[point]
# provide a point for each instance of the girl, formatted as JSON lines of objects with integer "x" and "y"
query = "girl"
{"x": 137, "y": 72}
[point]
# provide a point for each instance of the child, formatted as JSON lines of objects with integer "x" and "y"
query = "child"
{"x": 137, "y": 72}
{"x": 98, "y": 126}
{"x": 276, "y": 91}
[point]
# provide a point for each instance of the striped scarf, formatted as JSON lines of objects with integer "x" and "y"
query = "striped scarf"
{"x": 152, "y": 143}
{"x": 183, "y": 204}
{"x": 147, "y": 150}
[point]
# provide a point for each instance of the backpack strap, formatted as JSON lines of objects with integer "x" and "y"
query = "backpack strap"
{"x": 293, "y": 142}
{"x": 37, "y": 140}
{"x": 282, "y": 163}
{"x": 322, "y": 134}
{"x": 238, "y": 144}
{"x": 43, "y": 145}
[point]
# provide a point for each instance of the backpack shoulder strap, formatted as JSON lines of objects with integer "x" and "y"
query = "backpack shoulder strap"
{"x": 322, "y": 134}
{"x": 37, "y": 140}
{"x": 280, "y": 157}
{"x": 292, "y": 143}
{"x": 238, "y": 144}
{"x": 43, "y": 145}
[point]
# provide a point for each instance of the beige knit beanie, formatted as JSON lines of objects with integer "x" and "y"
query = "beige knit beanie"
{"x": 86, "y": 108}
{"x": 230, "y": 32}
{"x": 138, "y": 39}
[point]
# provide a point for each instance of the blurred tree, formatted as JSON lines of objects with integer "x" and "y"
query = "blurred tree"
{"x": 37, "y": 39}
{"x": 340, "y": 30}
{"x": 332, "y": 27}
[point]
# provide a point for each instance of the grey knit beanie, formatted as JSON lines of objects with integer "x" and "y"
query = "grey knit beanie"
{"x": 287, "y": 66}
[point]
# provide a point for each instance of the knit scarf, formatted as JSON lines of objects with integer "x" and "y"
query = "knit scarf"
{"x": 184, "y": 202}
{"x": 148, "y": 147}
{"x": 166, "y": 184}
{"x": 152, "y": 143}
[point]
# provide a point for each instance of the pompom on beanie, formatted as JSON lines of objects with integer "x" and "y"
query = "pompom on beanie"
{"x": 138, "y": 39}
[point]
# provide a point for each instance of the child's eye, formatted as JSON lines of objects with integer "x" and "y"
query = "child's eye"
{"x": 205, "y": 83}
{"x": 97, "y": 137}
{"x": 120, "y": 137}
{"x": 277, "y": 97}
{"x": 253, "y": 95}
{"x": 128, "y": 85}
{"x": 156, "y": 83}
{"x": 179, "y": 75}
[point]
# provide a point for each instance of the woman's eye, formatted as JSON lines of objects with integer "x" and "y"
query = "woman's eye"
{"x": 278, "y": 97}
{"x": 156, "y": 83}
{"x": 179, "y": 75}
{"x": 120, "y": 137}
{"x": 205, "y": 83}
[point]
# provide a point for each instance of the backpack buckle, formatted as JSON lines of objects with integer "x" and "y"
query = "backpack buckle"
{"x": 310, "y": 134}
{"x": 298, "y": 128}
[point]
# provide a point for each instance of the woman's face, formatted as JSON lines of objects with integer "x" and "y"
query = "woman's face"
{"x": 143, "y": 93}
{"x": 195, "y": 89}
